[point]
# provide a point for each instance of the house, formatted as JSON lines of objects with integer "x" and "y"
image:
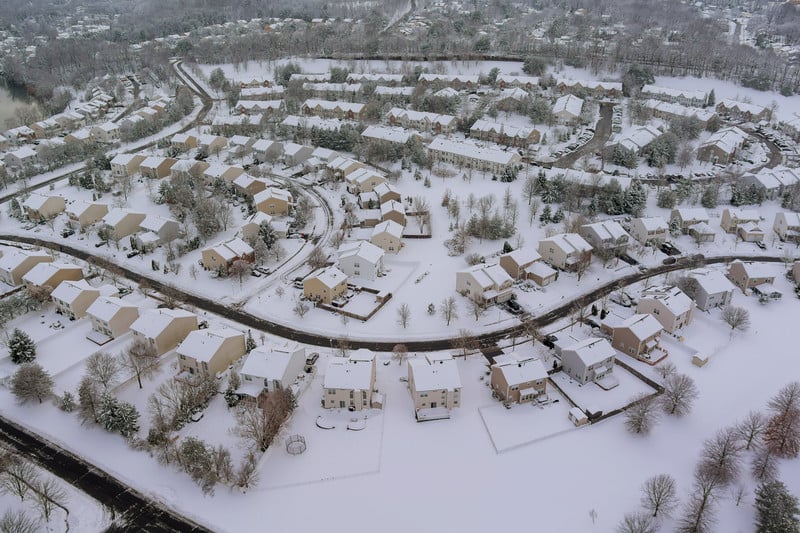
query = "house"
{"x": 46, "y": 128}
{"x": 295, "y": 154}
{"x": 341, "y": 167}
{"x": 325, "y": 89}
{"x": 156, "y": 230}
{"x": 51, "y": 274}
{"x": 709, "y": 288}
{"x": 221, "y": 256}
{"x": 750, "y": 232}
{"x": 422, "y": 120}
{"x": 218, "y": 171}
{"x": 796, "y": 272}
{"x": 124, "y": 165}
{"x": 685, "y": 217}
{"x": 743, "y": 111}
{"x": 349, "y": 382}
{"x": 773, "y": 182}
{"x": 361, "y": 259}
{"x": 388, "y": 236}
{"x": 787, "y": 226}
{"x": 566, "y": 251}
{"x": 273, "y": 201}
{"x": 265, "y": 150}
{"x": 722, "y": 146}
{"x": 669, "y": 305}
{"x": 669, "y": 111}
{"x": 155, "y": 167}
{"x": 184, "y": 141}
{"x": 362, "y": 180}
{"x": 598, "y": 89}
{"x": 251, "y": 228}
{"x": 527, "y": 265}
{"x": 487, "y": 130}
{"x": 393, "y": 210}
{"x": 702, "y": 232}
{"x": 325, "y": 285}
{"x": 634, "y": 140}
{"x": 257, "y": 108}
{"x": 649, "y": 230}
{"x": 106, "y": 133}
{"x": 163, "y": 328}
{"x": 606, "y": 236}
{"x": 687, "y": 97}
{"x": 211, "y": 144}
{"x": 394, "y": 94}
{"x": 567, "y": 109}
{"x": 746, "y": 275}
{"x": 519, "y": 380}
{"x": 457, "y": 81}
{"x": 83, "y": 135}
{"x": 39, "y": 207}
{"x": 389, "y": 135}
{"x": 262, "y": 93}
{"x": 577, "y": 417}
{"x": 248, "y": 185}
{"x": 207, "y": 352}
{"x": 15, "y": 264}
{"x": 270, "y": 367}
{"x": 435, "y": 386}
{"x": 471, "y": 156}
{"x": 255, "y": 82}
{"x": 187, "y": 168}
{"x": 21, "y": 157}
{"x": 119, "y": 223}
{"x": 73, "y": 298}
{"x": 81, "y": 215}
{"x": 326, "y": 109}
{"x": 309, "y": 77}
{"x": 385, "y": 192}
{"x": 486, "y": 284}
{"x": 111, "y": 317}
{"x": 637, "y": 336}
{"x": 524, "y": 82}
{"x": 510, "y": 99}
{"x": 590, "y": 360}
{"x": 382, "y": 78}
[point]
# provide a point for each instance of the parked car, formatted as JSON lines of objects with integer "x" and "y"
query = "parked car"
{"x": 761, "y": 245}
{"x": 549, "y": 341}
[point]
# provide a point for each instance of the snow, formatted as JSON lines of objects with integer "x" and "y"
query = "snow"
{"x": 591, "y": 350}
{"x": 434, "y": 375}
{"x": 348, "y": 374}
{"x": 203, "y": 344}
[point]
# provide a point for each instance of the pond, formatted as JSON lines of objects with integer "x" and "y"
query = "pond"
{"x": 11, "y": 99}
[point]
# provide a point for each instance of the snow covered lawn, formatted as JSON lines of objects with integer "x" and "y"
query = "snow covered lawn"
{"x": 593, "y": 398}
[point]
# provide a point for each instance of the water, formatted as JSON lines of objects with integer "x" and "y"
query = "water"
{"x": 11, "y": 99}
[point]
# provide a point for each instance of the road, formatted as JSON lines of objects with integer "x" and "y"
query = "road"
{"x": 601, "y": 134}
{"x": 133, "y": 510}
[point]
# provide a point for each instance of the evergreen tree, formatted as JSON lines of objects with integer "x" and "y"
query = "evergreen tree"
{"x": 546, "y": 215}
{"x": 507, "y": 247}
{"x": 249, "y": 342}
{"x": 666, "y": 199}
{"x": 624, "y": 157}
{"x": 21, "y": 347}
{"x": 118, "y": 417}
{"x": 712, "y": 98}
{"x": 558, "y": 216}
{"x": 710, "y": 197}
{"x": 737, "y": 196}
{"x": 776, "y": 509}
{"x": 675, "y": 228}
{"x": 635, "y": 199}
{"x": 612, "y": 198}
{"x": 267, "y": 234}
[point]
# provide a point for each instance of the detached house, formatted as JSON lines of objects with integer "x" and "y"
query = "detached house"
{"x": 325, "y": 285}
{"x": 39, "y": 208}
{"x": 248, "y": 185}
{"x": 269, "y": 368}
{"x": 73, "y": 298}
{"x": 637, "y": 336}
{"x": 688, "y": 217}
{"x": 709, "y": 288}
{"x": 16, "y": 263}
{"x": 435, "y": 386}
{"x": 51, "y": 274}
{"x": 156, "y": 230}
{"x": 207, "y": 352}
{"x": 265, "y": 150}
{"x": 221, "y": 256}
{"x": 361, "y": 259}
{"x": 590, "y": 360}
{"x": 787, "y": 226}
{"x": 349, "y": 382}
{"x": 393, "y": 210}
{"x": 519, "y": 380}
{"x": 526, "y": 264}
{"x": 81, "y": 215}
{"x": 123, "y": 165}
{"x": 732, "y": 218}
{"x": 184, "y": 141}
{"x": 273, "y": 201}
{"x": 669, "y": 305}
{"x": 163, "y": 329}
{"x": 361, "y": 180}
{"x": 649, "y": 230}
{"x": 607, "y": 236}
{"x": 486, "y": 284}
{"x": 119, "y": 223}
{"x": 218, "y": 171}
{"x": 749, "y": 275}
{"x": 111, "y": 317}
{"x": 567, "y": 109}
{"x": 388, "y": 235}
{"x": 722, "y": 146}
{"x": 566, "y": 251}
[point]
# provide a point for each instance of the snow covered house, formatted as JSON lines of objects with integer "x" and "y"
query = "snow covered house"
{"x": 119, "y": 223}
{"x": 325, "y": 285}
{"x": 51, "y": 275}
{"x": 524, "y": 82}
{"x": 685, "y": 217}
{"x": 722, "y": 146}
{"x": 155, "y": 230}
{"x": 219, "y": 171}
{"x": 221, "y": 256}
{"x": 567, "y": 109}
{"x": 566, "y": 251}
{"x": 649, "y": 230}
{"x": 669, "y": 305}
{"x": 590, "y": 360}
{"x": 598, "y": 89}
{"x": 248, "y": 185}
{"x": 106, "y": 133}
{"x": 435, "y": 386}
{"x": 519, "y": 379}
{"x": 207, "y": 352}
{"x": 456, "y": 81}
{"x": 81, "y": 215}
{"x": 269, "y": 368}
{"x": 516, "y": 262}
{"x": 211, "y": 144}
{"x": 385, "y": 192}
{"x": 188, "y": 168}
{"x": 747, "y": 275}
{"x": 773, "y": 182}
{"x": 750, "y": 232}
{"x": 273, "y": 201}
{"x": 468, "y": 155}
{"x": 111, "y": 317}
{"x": 389, "y": 135}
{"x": 743, "y": 111}
{"x": 123, "y": 165}
{"x": 327, "y": 109}
{"x": 15, "y": 264}
{"x": 296, "y": 154}
{"x": 252, "y": 226}
{"x": 393, "y": 210}
{"x": 163, "y": 328}
{"x": 361, "y": 259}
{"x": 266, "y": 150}
{"x": 709, "y": 288}
{"x": 606, "y": 236}
{"x": 687, "y": 97}
{"x": 21, "y": 157}
{"x": 388, "y": 235}
{"x": 349, "y": 382}
{"x": 184, "y": 141}
{"x": 341, "y": 167}
{"x": 73, "y": 298}
{"x": 637, "y": 336}
{"x": 506, "y": 134}
{"x": 787, "y": 226}
{"x": 155, "y": 168}
{"x": 634, "y": 140}
{"x": 734, "y": 217}
{"x": 422, "y": 120}
{"x": 362, "y": 180}
{"x": 486, "y": 284}
{"x": 39, "y": 207}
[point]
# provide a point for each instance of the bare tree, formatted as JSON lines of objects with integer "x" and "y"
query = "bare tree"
{"x": 782, "y": 434}
{"x": 31, "y": 382}
{"x": 637, "y": 522}
{"x": 49, "y": 495}
{"x": 641, "y": 415}
{"x": 140, "y": 358}
{"x": 103, "y": 369}
{"x": 247, "y": 473}
{"x": 17, "y": 475}
{"x": 253, "y": 427}
{"x": 659, "y": 495}
{"x": 666, "y": 369}
{"x": 680, "y": 392}
{"x": 403, "y": 315}
{"x": 751, "y": 428}
{"x": 465, "y": 343}
{"x": 764, "y": 466}
{"x": 300, "y": 308}
{"x": 738, "y": 318}
{"x": 721, "y": 457}
{"x": 280, "y": 291}
{"x": 343, "y": 345}
{"x": 240, "y": 268}
{"x": 698, "y": 515}
{"x": 448, "y": 309}
{"x": 400, "y": 352}
{"x": 18, "y": 522}
{"x": 317, "y": 258}
{"x": 476, "y": 307}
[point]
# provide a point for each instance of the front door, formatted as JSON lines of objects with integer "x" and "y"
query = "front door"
{"x": 433, "y": 404}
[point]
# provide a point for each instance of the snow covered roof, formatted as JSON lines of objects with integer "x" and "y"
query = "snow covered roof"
{"x": 309, "y": 122}
{"x": 183, "y": 165}
{"x": 388, "y": 226}
{"x": 438, "y": 374}
{"x": 270, "y": 193}
{"x": 381, "y": 78}
{"x": 216, "y": 170}
{"x": 607, "y": 229}
{"x": 673, "y": 93}
{"x": 394, "y": 91}
{"x": 726, "y": 139}
{"x": 449, "y": 78}
{"x": 36, "y": 201}
{"x": 12, "y": 259}
{"x": 253, "y": 92}
{"x": 743, "y": 214}
{"x": 635, "y": 139}
{"x": 388, "y": 133}
{"x": 642, "y": 325}
{"x": 321, "y": 87}
{"x": 420, "y": 116}
{"x": 487, "y": 126}
{"x": 488, "y": 276}
{"x": 711, "y": 281}
{"x": 79, "y": 207}
{"x": 262, "y": 145}
{"x": 69, "y": 290}
{"x": 106, "y": 307}
{"x": 653, "y": 223}
{"x": 152, "y": 322}
{"x": 523, "y": 256}
{"x": 515, "y": 93}
{"x": 542, "y": 270}
{"x": 392, "y": 206}
{"x": 569, "y": 243}
{"x": 591, "y": 84}
{"x": 447, "y": 92}
{"x": 517, "y": 80}
{"x": 522, "y": 370}
{"x": 742, "y": 107}
{"x": 44, "y": 271}
{"x": 473, "y": 151}
{"x": 155, "y": 223}
{"x": 291, "y": 149}
{"x": 323, "y": 154}
{"x": 568, "y": 104}
{"x": 333, "y": 106}
{"x": 309, "y": 77}
{"x": 203, "y": 344}
{"x": 362, "y": 249}
{"x": 702, "y": 228}
{"x": 116, "y": 215}
{"x": 756, "y": 270}
{"x": 259, "y": 217}
{"x": 679, "y": 110}
{"x": 330, "y": 277}
{"x": 592, "y": 350}
{"x": 687, "y": 214}
{"x": 792, "y": 219}
{"x": 362, "y": 175}
{"x": 348, "y": 374}
{"x": 271, "y": 360}
{"x": 671, "y": 297}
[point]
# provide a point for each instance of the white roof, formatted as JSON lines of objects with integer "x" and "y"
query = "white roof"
{"x": 262, "y": 145}
{"x": 691, "y": 213}
{"x": 396, "y": 78}
{"x": 523, "y": 256}
{"x": 271, "y": 361}
{"x": 711, "y": 281}
{"x": 36, "y": 201}
{"x": 216, "y": 170}
{"x": 155, "y": 223}
{"x": 394, "y": 91}
{"x": 742, "y": 106}
{"x": 384, "y": 188}
{"x": 570, "y": 104}
{"x": 702, "y": 228}
{"x": 427, "y": 76}
{"x": 420, "y": 116}
{"x": 116, "y": 215}
{"x": 362, "y": 175}
{"x": 743, "y": 214}
{"x": 11, "y": 259}
{"x": 106, "y": 307}
{"x": 522, "y": 370}
{"x": 332, "y": 106}
{"x": 591, "y": 84}
{"x": 447, "y": 92}
{"x": 388, "y": 226}
{"x": 592, "y": 350}
{"x": 292, "y": 148}
{"x": 543, "y": 270}
{"x": 272, "y": 192}
{"x": 792, "y": 218}
{"x": 680, "y": 110}
{"x": 259, "y": 217}
{"x": 671, "y": 297}
{"x": 653, "y": 223}
{"x": 488, "y": 126}
{"x": 259, "y": 105}
{"x": 324, "y": 154}
{"x": 183, "y": 137}
{"x": 392, "y": 205}
{"x": 80, "y": 206}
{"x": 726, "y": 139}
{"x": 321, "y": 87}
{"x": 362, "y": 249}
{"x": 154, "y": 321}
{"x": 309, "y": 122}
{"x": 348, "y": 374}
{"x": 569, "y": 243}
{"x": 250, "y": 92}
{"x": 330, "y": 277}
{"x": 674, "y": 93}
{"x": 488, "y": 275}
{"x": 607, "y": 229}
{"x": 183, "y": 165}
{"x": 203, "y": 344}
{"x": 68, "y": 290}
{"x": 44, "y": 271}
{"x": 430, "y": 375}
{"x": 756, "y": 270}
{"x": 473, "y": 151}
{"x": 520, "y": 80}
{"x": 642, "y": 325}
{"x": 24, "y": 152}
{"x": 635, "y": 139}
{"x": 388, "y": 133}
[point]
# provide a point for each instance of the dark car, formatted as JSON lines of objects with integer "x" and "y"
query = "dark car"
{"x": 550, "y": 341}
{"x": 761, "y": 245}
{"x": 669, "y": 261}
{"x": 669, "y": 249}
{"x": 66, "y": 232}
